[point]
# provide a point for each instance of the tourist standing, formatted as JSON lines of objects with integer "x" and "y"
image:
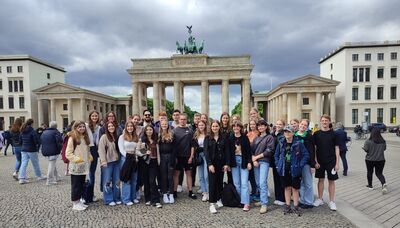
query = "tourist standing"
{"x": 326, "y": 161}
{"x": 241, "y": 153}
{"x": 30, "y": 150}
{"x": 51, "y": 142}
{"x": 216, "y": 150}
{"x": 251, "y": 135}
{"x": 198, "y": 147}
{"x": 306, "y": 186}
{"x": 342, "y": 139}
{"x": 278, "y": 188}
{"x": 375, "y": 148}
{"x": 127, "y": 144}
{"x": 93, "y": 130}
{"x": 290, "y": 158}
{"x": 109, "y": 163}
{"x": 77, "y": 152}
{"x": 263, "y": 151}
{"x": 16, "y": 145}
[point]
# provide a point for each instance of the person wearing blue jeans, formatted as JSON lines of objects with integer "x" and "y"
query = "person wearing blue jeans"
{"x": 18, "y": 160}
{"x": 111, "y": 191}
{"x": 198, "y": 147}
{"x": 16, "y": 146}
{"x": 128, "y": 189}
{"x": 34, "y": 157}
{"x": 202, "y": 170}
{"x": 241, "y": 154}
{"x": 262, "y": 150}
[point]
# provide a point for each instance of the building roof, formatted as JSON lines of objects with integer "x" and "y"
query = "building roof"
{"x": 359, "y": 45}
{"x": 31, "y": 58}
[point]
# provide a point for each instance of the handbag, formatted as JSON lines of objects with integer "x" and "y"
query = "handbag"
{"x": 198, "y": 160}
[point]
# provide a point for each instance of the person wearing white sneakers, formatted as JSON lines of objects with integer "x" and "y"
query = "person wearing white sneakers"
{"x": 216, "y": 149}
{"x": 326, "y": 160}
{"x": 78, "y": 154}
{"x": 198, "y": 147}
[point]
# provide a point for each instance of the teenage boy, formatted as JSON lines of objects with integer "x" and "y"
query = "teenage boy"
{"x": 290, "y": 158}
{"x": 326, "y": 160}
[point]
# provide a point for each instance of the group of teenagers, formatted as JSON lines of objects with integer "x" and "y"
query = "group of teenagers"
{"x": 154, "y": 155}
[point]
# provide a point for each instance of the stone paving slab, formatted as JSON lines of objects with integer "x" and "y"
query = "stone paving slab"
{"x": 37, "y": 205}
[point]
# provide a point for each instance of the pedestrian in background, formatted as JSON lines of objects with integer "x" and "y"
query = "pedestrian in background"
{"x": 16, "y": 145}
{"x": 51, "y": 142}
{"x": 341, "y": 135}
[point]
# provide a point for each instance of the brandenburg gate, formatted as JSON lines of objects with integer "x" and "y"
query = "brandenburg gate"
{"x": 190, "y": 67}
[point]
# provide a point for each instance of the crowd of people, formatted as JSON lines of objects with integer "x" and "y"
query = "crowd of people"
{"x": 150, "y": 156}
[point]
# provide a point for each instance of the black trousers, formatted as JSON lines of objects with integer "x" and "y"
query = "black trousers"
{"x": 149, "y": 178}
{"x": 278, "y": 188}
{"x": 167, "y": 170}
{"x": 378, "y": 165}
{"x": 77, "y": 182}
{"x": 194, "y": 169}
{"x": 216, "y": 183}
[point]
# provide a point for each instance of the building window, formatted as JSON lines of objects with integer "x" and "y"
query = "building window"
{"x": 380, "y": 93}
{"x": 12, "y": 119}
{"x": 305, "y": 115}
{"x": 1, "y": 84}
{"x": 101, "y": 109}
{"x": 368, "y": 57}
{"x": 11, "y": 102}
{"x": 15, "y": 86}
{"x": 393, "y": 92}
{"x": 9, "y": 69}
{"x": 393, "y": 72}
{"x": 354, "y": 74}
{"x": 355, "y": 94}
{"x": 87, "y": 107}
{"x": 306, "y": 101}
{"x": 22, "y": 118}
{"x": 361, "y": 74}
{"x": 331, "y": 66}
{"x": 393, "y": 115}
{"x": 380, "y": 56}
{"x": 10, "y": 86}
{"x": 48, "y": 75}
{"x": 379, "y": 117}
{"x": 354, "y": 116}
{"x": 367, "y": 70}
{"x": 355, "y": 57}
{"x": 331, "y": 76}
{"x": 95, "y": 108}
{"x": 65, "y": 107}
{"x": 367, "y": 115}
{"x": 21, "y": 102}
{"x": 380, "y": 72}
{"x": 393, "y": 56}
{"x": 19, "y": 69}
{"x": 367, "y": 94}
{"x": 1, "y": 103}
{"x": 21, "y": 85}
{"x": 0, "y": 69}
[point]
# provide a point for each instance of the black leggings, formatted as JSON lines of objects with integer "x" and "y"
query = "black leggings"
{"x": 215, "y": 182}
{"x": 77, "y": 182}
{"x": 167, "y": 170}
{"x": 378, "y": 165}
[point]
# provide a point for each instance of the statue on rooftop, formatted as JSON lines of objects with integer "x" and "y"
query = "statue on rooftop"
{"x": 190, "y": 47}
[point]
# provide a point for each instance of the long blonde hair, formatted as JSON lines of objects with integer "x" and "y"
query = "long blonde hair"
{"x": 197, "y": 132}
{"x": 165, "y": 136}
{"x": 76, "y": 136}
{"x": 130, "y": 137}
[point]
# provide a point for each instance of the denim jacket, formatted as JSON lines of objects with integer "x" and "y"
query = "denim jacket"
{"x": 299, "y": 157}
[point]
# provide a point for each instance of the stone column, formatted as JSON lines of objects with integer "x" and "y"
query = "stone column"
{"x": 53, "y": 109}
{"x": 40, "y": 112}
{"x": 279, "y": 106}
{"x": 333, "y": 107}
{"x": 177, "y": 95}
{"x": 246, "y": 100}
{"x": 182, "y": 91}
{"x": 162, "y": 97}
{"x": 126, "y": 112}
{"x": 204, "y": 97}
{"x": 326, "y": 104}
{"x": 156, "y": 99}
{"x": 284, "y": 107}
{"x": 135, "y": 98}
{"x": 225, "y": 95}
{"x": 268, "y": 116}
{"x": 274, "y": 111}
{"x": 299, "y": 104}
{"x": 83, "y": 109}
{"x": 91, "y": 105}
{"x": 70, "y": 115}
{"x": 317, "y": 107}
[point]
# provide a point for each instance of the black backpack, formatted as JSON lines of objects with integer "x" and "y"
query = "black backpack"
{"x": 230, "y": 196}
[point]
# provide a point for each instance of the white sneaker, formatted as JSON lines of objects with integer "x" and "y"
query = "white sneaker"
{"x": 384, "y": 188}
{"x": 82, "y": 200}
{"x": 332, "y": 206}
{"x": 119, "y": 202}
{"x": 219, "y": 204}
{"x": 158, "y": 205}
{"x": 205, "y": 197}
{"x": 148, "y": 203}
{"x": 41, "y": 178}
{"x": 166, "y": 199}
{"x": 179, "y": 189}
{"x": 129, "y": 204}
{"x": 23, "y": 181}
{"x": 318, "y": 202}
{"x": 112, "y": 204}
{"x": 279, "y": 203}
{"x": 15, "y": 175}
{"x": 83, "y": 205}
{"x": 171, "y": 198}
{"x": 213, "y": 210}
{"x": 78, "y": 207}
{"x": 135, "y": 201}
{"x": 95, "y": 199}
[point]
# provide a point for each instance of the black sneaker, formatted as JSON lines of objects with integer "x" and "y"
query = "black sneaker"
{"x": 175, "y": 195}
{"x": 370, "y": 187}
{"x": 297, "y": 211}
{"x": 192, "y": 195}
{"x": 287, "y": 209}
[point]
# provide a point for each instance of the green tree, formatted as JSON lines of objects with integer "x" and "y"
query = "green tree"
{"x": 238, "y": 109}
{"x": 170, "y": 108}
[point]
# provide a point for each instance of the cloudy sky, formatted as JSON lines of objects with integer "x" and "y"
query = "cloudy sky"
{"x": 95, "y": 40}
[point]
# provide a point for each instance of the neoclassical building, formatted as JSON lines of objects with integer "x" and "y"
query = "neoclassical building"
{"x": 63, "y": 103}
{"x": 306, "y": 97}
{"x": 190, "y": 69}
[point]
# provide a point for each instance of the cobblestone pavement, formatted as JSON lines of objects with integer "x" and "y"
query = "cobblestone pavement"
{"x": 37, "y": 205}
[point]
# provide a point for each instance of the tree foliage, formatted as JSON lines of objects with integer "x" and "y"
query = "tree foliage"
{"x": 238, "y": 109}
{"x": 170, "y": 108}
